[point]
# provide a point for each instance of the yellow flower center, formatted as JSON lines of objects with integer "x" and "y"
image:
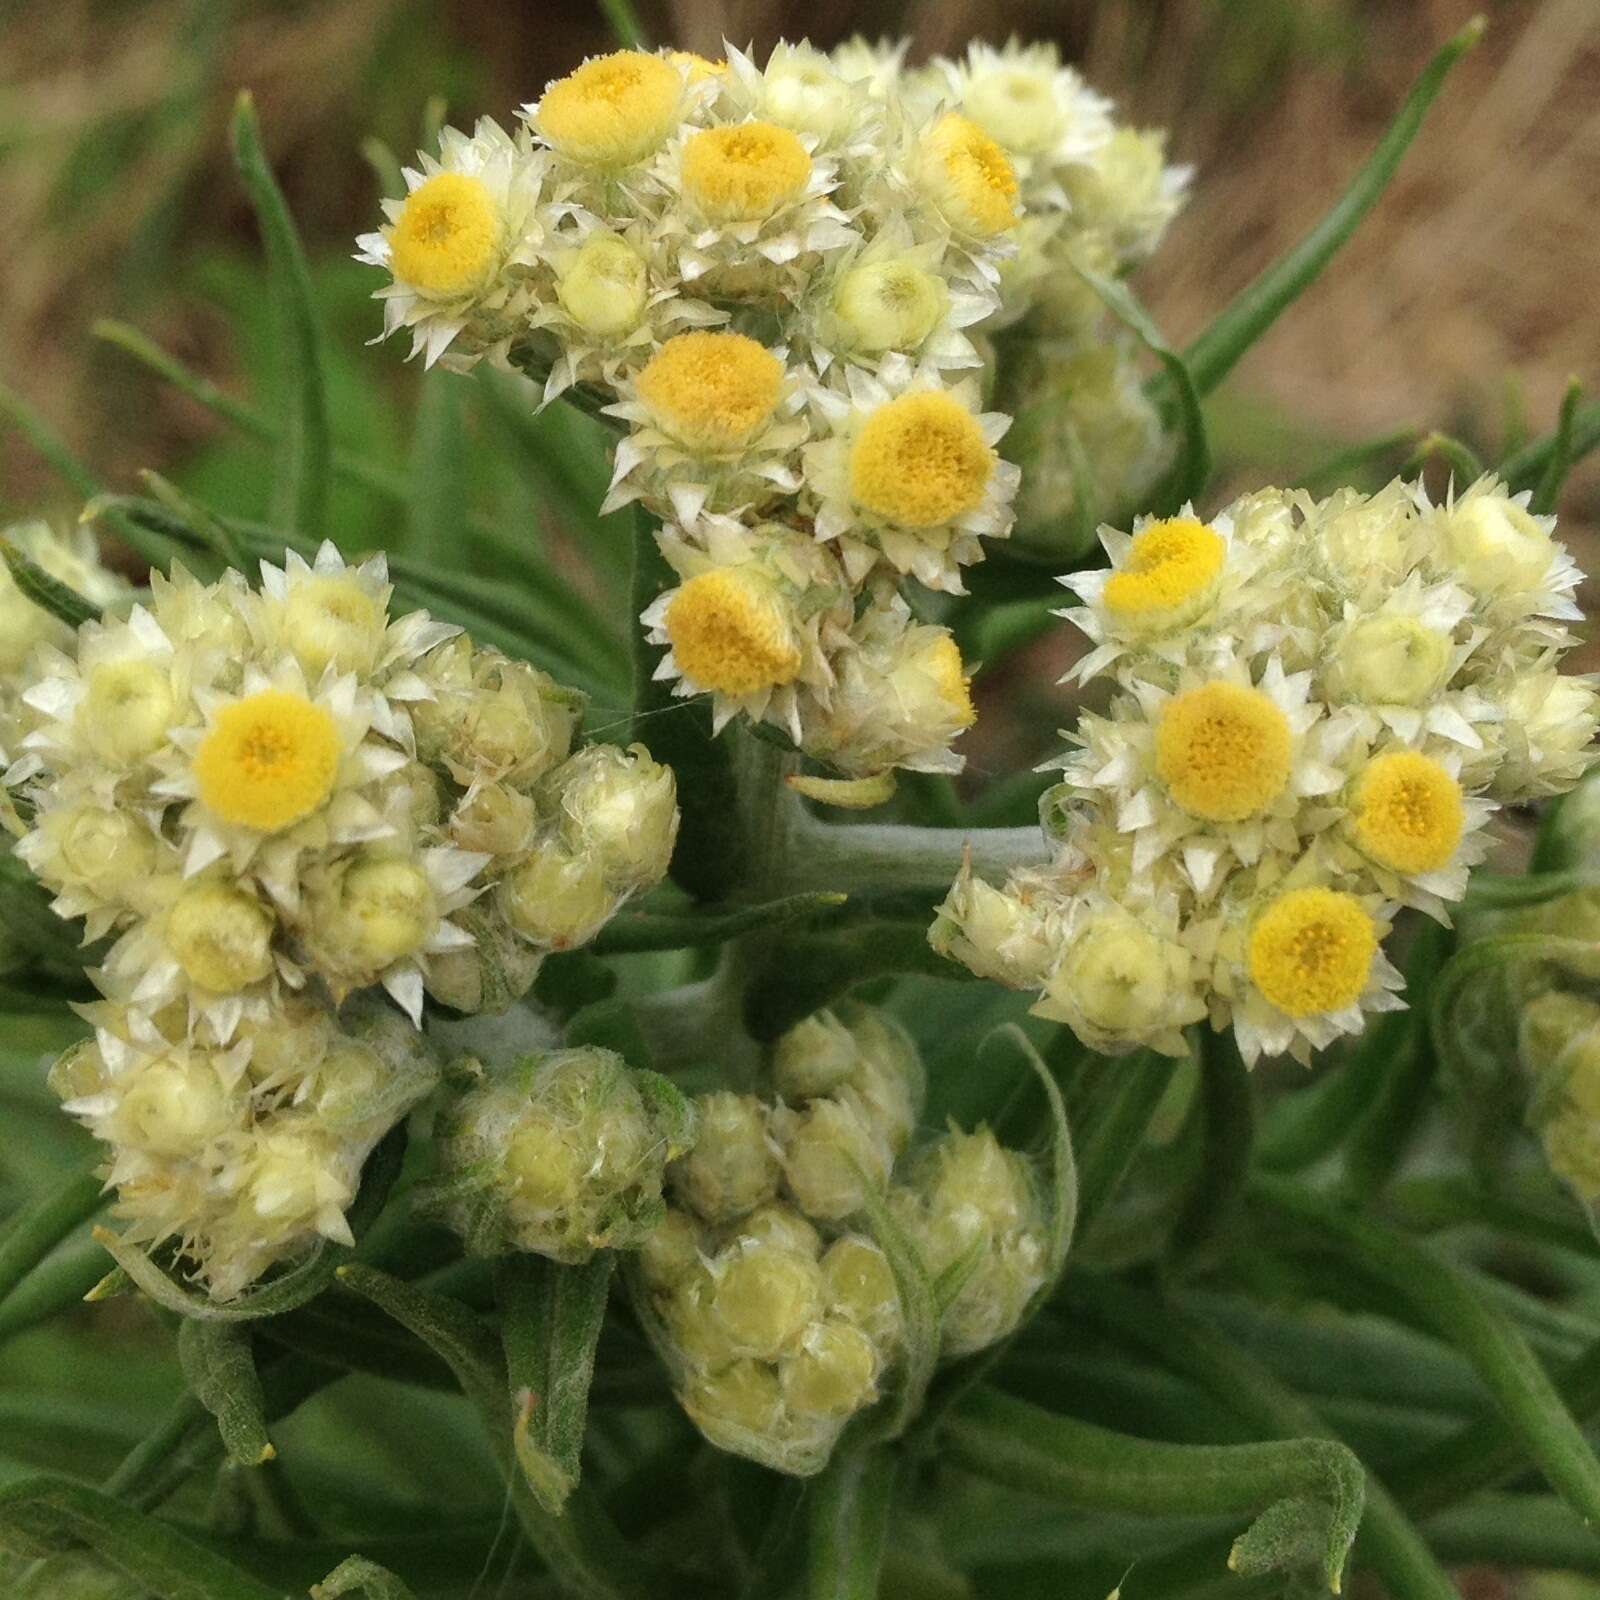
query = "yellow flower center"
{"x": 1407, "y": 812}
{"x": 971, "y": 177}
{"x": 1169, "y": 572}
{"x": 744, "y": 173}
{"x": 446, "y": 240}
{"x": 614, "y": 110}
{"x": 730, "y": 634}
{"x": 712, "y": 391}
{"x": 1223, "y": 751}
{"x": 268, "y": 761}
{"x": 944, "y": 664}
{"x": 920, "y": 460}
{"x": 1311, "y": 951}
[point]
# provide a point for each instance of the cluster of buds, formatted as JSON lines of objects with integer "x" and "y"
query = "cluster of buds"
{"x": 1316, "y": 706}
{"x": 784, "y": 281}
{"x": 559, "y": 1154}
{"x": 280, "y": 797}
{"x": 244, "y": 1154}
{"x": 778, "y": 1318}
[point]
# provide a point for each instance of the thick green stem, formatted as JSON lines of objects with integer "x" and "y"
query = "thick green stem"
{"x": 847, "y": 1522}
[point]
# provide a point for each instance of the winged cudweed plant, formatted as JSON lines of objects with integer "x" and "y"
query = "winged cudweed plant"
{"x": 432, "y": 939}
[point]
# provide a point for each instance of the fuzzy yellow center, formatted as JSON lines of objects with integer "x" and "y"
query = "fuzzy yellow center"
{"x": 730, "y": 634}
{"x": 1223, "y": 751}
{"x": 1407, "y": 812}
{"x": 614, "y": 110}
{"x": 446, "y": 240}
{"x": 951, "y": 683}
{"x": 1311, "y": 951}
{"x": 920, "y": 460}
{"x": 972, "y": 178}
{"x": 744, "y": 173}
{"x": 712, "y": 391}
{"x": 1170, "y": 568}
{"x": 268, "y": 761}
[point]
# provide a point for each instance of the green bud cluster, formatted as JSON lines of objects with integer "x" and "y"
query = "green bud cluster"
{"x": 560, "y": 1153}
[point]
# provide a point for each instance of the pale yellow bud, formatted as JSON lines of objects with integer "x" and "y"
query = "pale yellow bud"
{"x": 290, "y": 1046}
{"x": 544, "y": 1165}
{"x": 78, "y": 1072}
{"x": 1121, "y": 984}
{"x": 174, "y": 1105}
{"x": 98, "y": 850}
{"x": 490, "y": 976}
{"x": 1548, "y": 1024}
{"x": 557, "y": 899}
{"x": 605, "y": 287}
{"x": 859, "y": 1284}
{"x": 889, "y": 1083}
{"x": 830, "y": 1151}
{"x": 1016, "y": 104}
{"x": 329, "y": 620}
{"x": 802, "y": 91}
{"x": 994, "y": 1298}
{"x": 998, "y": 933}
{"x": 732, "y": 1168}
{"x": 833, "y": 1373}
{"x": 671, "y": 1251}
{"x": 126, "y": 711}
{"x": 1388, "y": 661}
{"x": 620, "y": 807}
{"x": 495, "y": 819}
{"x": 378, "y": 912}
{"x": 888, "y": 305}
{"x": 349, "y": 1079}
{"x": 1499, "y": 546}
{"x": 742, "y": 1396}
{"x": 220, "y": 936}
{"x": 764, "y": 1298}
{"x": 814, "y": 1057}
{"x": 783, "y": 1227}
{"x": 296, "y": 1174}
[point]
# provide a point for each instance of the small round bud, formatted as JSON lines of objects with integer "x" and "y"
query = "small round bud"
{"x": 126, "y": 710}
{"x": 1388, "y": 661}
{"x": 105, "y": 853}
{"x": 859, "y": 1284}
{"x": 888, "y": 305}
{"x": 495, "y": 819}
{"x": 742, "y": 1396}
{"x": 764, "y": 1298}
{"x": 621, "y": 807}
{"x": 889, "y": 1082}
{"x": 221, "y": 937}
{"x": 1121, "y": 984}
{"x": 814, "y": 1057}
{"x": 605, "y": 287}
{"x": 174, "y": 1105}
{"x": 1499, "y": 546}
{"x": 732, "y": 1168}
{"x": 377, "y": 912}
{"x": 291, "y": 1045}
{"x": 296, "y": 1175}
{"x": 782, "y": 1227}
{"x": 348, "y": 1082}
{"x": 490, "y": 976}
{"x": 492, "y": 718}
{"x": 1000, "y": 934}
{"x": 830, "y": 1151}
{"x": 670, "y": 1252}
{"x": 557, "y": 899}
{"x": 330, "y": 620}
{"x": 801, "y": 90}
{"x": 833, "y": 1373}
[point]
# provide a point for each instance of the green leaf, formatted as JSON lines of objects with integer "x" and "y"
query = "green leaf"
{"x": 550, "y": 1319}
{"x": 1548, "y": 492}
{"x": 1110, "y": 1139}
{"x": 30, "y": 1237}
{"x": 707, "y": 925}
{"x": 440, "y": 495}
{"x": 47, "y": 442}
{"x": 625, "y": 24}
{"x": 44, "y": 1516}
{"x": 294, "y": 1287}
{"x": 1192, "y": 469}
{"x": 1526, "y": 467}
{"x": 219, "y": 1365}
{"x": 1258, "y": 305}
{"x": 1093, "y": 1468}
{"x": 358, "y": 1576}
{"x": 221, "y": 539}
{"x": 49, "y": 594}
{"x": 1464, "y": 465}
{"x": 305, "y": 452}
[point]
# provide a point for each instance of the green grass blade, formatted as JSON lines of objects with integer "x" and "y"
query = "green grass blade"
{"x": 439, "y": 491}
{"x": 1212, "y": 356}
{"x": 30, "y": 1237}
{"x": 47, "y": 442}
{"x": 1548, "y": 491}
{"x": 305, "y": 455}
{"x": 1525, "y": 467}
{"x": 625, "y": 24}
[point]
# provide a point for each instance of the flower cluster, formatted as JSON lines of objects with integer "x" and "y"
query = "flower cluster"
{"x": 559, "y": 1154}
{"x": 1316, "y": 706}
{"x": 778, "y": 1319}
{"x": 783, "y": 282}
{"x": 275, "y": 799}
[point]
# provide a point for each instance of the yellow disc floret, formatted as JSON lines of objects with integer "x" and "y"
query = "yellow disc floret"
{"x": 970, "y": 176}
{"x": 712, "y": 391}
{"x": 1311, "y": 951}
{"x": 268, "y": 761}
{"x": 744, "y": 173}
{"x": 1223, "y": 751}
{"x": 943, "y": 663}
{"x": 920, "y": 460}
{"x": 614, "y": 110}
{"x": 731, "y": 634}
{"x": 1170, "y": 571}
{"x": 1407, "y": 812}
{"x": 446, "y": 240}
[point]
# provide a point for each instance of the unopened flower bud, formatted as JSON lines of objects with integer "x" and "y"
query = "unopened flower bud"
{"x": 732, "y": 1168}
{"x": 1498, "y": 546}
{"x": 127, "y": 710}
{"x": 889, "y": 1082}
{"x": 815, "y": 1057}
{"x": 783, "y": 1227}
{"x": 221, "y": 937}
{"x": 833, "y": 1373}
{"x": 605, "y": 286}
{"x": 1388, "y": 660}
{"x": 764, "y": 1297}
{"x": 489, "y": 976}
{"x": 174, "y": 1105}
{"x": 620, "y": 806}
{"x": 859, "y": 1285}
{"x": 740, "y": 1398}
{"x": 830, "y": 1152}
{"x": 671, "y": 1250}
{"x": 331, "y": 621}
{"x": 495, "y": 819}
{"x": 90, "y": 848}
{"x": 999, "y": 934}
{"x": 557, "y": 899}
{"x": 378, "y": 911}
{"x": 892, "y": 304}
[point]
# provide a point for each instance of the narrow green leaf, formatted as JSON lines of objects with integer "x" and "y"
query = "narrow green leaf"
{"x": 1192, "y": 469}
{"x": 440, "y": 494}
{"x": 847, "y": 1523}
{"x": 221, "y": 539}
{"x": 707, "y": 925}
{"x": 199, "y": 388}
{"x": 1109, "y": 1141}
{"x": 62, "y": 1279}
{"x": 919, "y": 1315}
{"x": 1258, "y": 305}
{"x": 44, "y": 1516}
{"x": 47, "y": 442}
{"x": 305, "y": 453}
{"x": 358, "y": 1576}
{"x": 1354, "y": 460}
{"x": 48, "y": 593}
{"x": 1548, "y": 492}
{"x": 625, "y": 24}
{"x": 550, "y": 1319}
{"x": 1437, "y": 1293}
{"x": 1465, "y": 467}
{"x": 31, "y": 1236}
{"x": 219, "y": 1365}
{"x": 1094, "y": 1468}
{"x": 1525, "y": 467}
{"x": 1226, "y": 1106}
